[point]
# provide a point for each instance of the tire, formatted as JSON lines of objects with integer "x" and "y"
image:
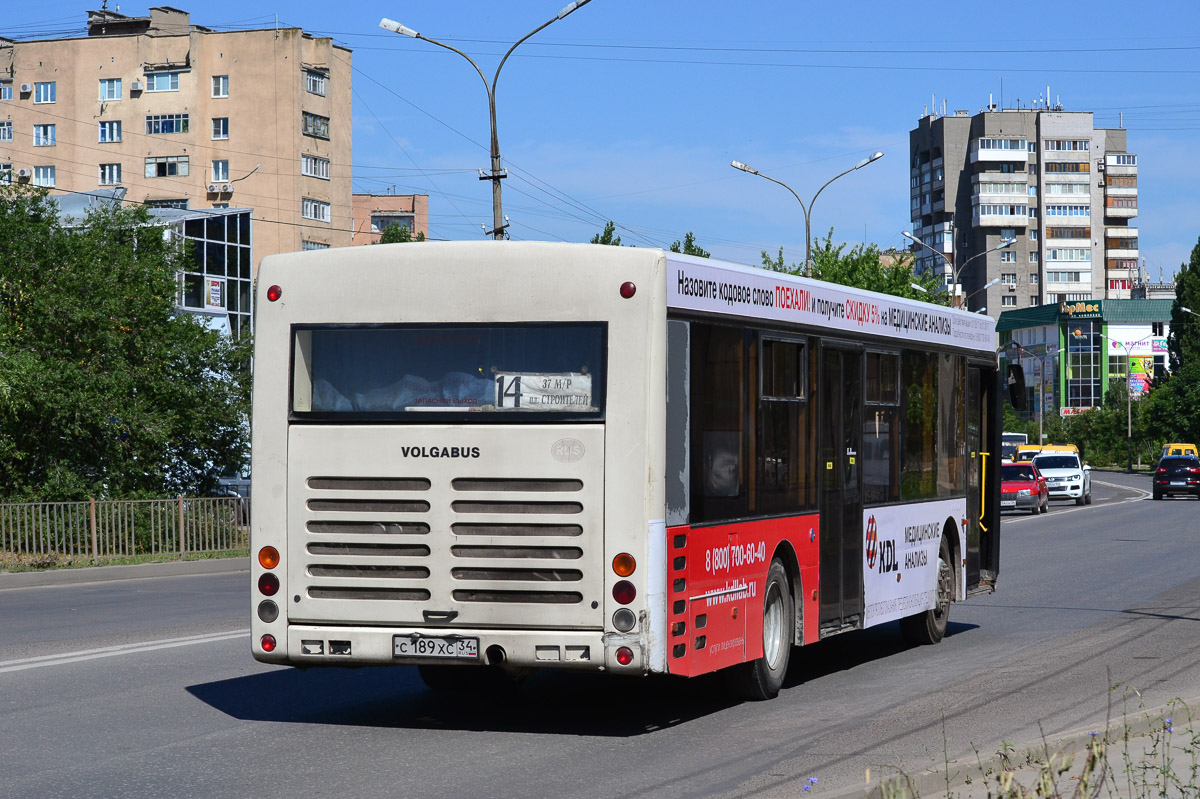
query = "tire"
{"x": 1035, "y": 510}
{"x": 1157, "y": 494}
{"x": 1079, "y": 499}
{"x": 929, "y": 626}
{"x": 1046, "y": 505}
{"x": 762, "y": 678}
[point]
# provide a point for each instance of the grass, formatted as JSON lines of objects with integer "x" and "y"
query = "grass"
{"x": 23, "y": 562}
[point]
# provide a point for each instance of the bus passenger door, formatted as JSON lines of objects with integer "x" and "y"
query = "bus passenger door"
{"x": 841, "y": 549}
{"x": 983, "y": 476}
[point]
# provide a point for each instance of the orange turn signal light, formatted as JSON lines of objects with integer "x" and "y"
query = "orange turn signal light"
{"x": 268, "y": 557}
{"x": 624, "y": 564}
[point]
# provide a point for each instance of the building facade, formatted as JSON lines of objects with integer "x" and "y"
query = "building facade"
{"x": 1061, "y": 190}
{"x": 374, "y": 212}
{"x": 186, "y": 117}
{"x": 1071, "y": 352}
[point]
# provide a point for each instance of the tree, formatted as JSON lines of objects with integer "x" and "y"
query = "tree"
{"x": 106, "y": 389}
{"x": 608, "y": 236}
{"x": 1183, "y": 343}
{"x": 689, "y": 247}
{"x": 862, "y": 267}
{"x": 395, "y": 233}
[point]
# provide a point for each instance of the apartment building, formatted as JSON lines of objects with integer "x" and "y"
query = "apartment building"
{"x": 187, "y": 117}
{"x": 373, "y": 213}
{"x": 1030, "y": 206}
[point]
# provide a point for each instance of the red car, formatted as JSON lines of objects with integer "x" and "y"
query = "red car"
{"x": 1022, "y": 487}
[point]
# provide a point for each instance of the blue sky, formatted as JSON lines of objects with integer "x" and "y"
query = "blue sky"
{"x": 632, "y": 111}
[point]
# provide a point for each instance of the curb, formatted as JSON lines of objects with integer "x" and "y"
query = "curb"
{"x": 104, "y": 574}
{"x": 976, "y": 776}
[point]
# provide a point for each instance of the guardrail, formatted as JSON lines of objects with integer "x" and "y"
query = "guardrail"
{"x": 98, "y": 531}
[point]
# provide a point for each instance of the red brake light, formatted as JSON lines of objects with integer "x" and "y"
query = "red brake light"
{"x": 274, "y": 293}
{"x": 1194, "y": 469}
{"x": 628, "y": 289}
{"x": 268, "y": 584}
{"x": 1161, "y": 470}
{"x": 624, "y": 592}
{"x": 268, "y": 643}
{"x": 624, "y": 655}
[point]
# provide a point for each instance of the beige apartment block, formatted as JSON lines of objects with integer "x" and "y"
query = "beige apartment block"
{"x": 374, "y": 212}
{"x": 187, "y": 117}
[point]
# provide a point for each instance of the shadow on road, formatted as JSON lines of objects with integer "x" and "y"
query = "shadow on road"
{"x": 548, "y": 702}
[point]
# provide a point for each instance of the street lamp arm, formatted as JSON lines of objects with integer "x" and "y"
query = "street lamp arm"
{"x": 567, "y": 9}
{"x": 803, "y": 207}
{"x": 486, "y": 87}
{"x": 945, "y": 257}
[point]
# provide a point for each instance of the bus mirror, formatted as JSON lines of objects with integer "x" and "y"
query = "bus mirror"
{"x": 1016, "y": 386}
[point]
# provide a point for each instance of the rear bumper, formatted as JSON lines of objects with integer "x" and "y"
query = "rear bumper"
{"x": 593, "y": 650}
{"x": 1167, "y": 489}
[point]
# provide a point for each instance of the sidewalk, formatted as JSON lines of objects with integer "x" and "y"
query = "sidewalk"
{"x": 100, "y": 574}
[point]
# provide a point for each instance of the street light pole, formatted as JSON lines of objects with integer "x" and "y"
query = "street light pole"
{"x": 1049, "y": 353}
{"x": 497, "y": 174}
{"x": 956, "y": 268}
{"x": 1077, "y": 333}
{"x": 875, "y": 156}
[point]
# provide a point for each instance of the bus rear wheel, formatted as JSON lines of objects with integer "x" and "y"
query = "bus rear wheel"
{"x": 929, "y": 626}
{"x": 762, "y": 678}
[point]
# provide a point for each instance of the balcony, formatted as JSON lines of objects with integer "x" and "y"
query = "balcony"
{"x": 990, "y": 215}
{"x": 1120, "y": 164}
{"x": 995, "y": 150}
{"x": 1120, "y": 207}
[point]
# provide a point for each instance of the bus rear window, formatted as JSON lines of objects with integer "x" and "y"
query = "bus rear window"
{"x": 554, "y": 369}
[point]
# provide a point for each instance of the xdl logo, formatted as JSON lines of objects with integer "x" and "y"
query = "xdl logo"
{"x": 887, "y": 557}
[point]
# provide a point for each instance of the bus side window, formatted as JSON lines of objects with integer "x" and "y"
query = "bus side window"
{"x": 718, "y": 404}
{"x": 880, "y": 440}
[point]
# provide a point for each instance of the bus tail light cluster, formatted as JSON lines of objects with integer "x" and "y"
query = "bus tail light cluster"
{"x": 268, "y": 585}
{"x": 623, "y": 591}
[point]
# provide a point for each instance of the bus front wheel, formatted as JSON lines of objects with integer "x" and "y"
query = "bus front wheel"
{"x": 762, "y": 678}
{"x": 929, "y": 626}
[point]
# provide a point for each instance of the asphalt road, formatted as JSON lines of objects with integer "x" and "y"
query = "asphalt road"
{"x": 146, "y": 688}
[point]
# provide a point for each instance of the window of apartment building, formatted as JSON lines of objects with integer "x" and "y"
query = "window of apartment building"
{"x": 1033, "y": 234}
{"x": 1068, "y": 210}
{"x": 220, "y": 171}
{"x": 1008, "y": 233}
{"x": 1002, "y": 144}
{"x": 167, "y": 166}
{"x": 43, "y": 175}
{"x": 1059, "y": 145}
{"x": 6, "y": 130}
{"x": 1008, "y": 278}
{"x": 1002, "y": 210}
{"x": 6, "y": 173}
{"x": 1116, "y": 285}
{"x": 1009, "y": 300}
{"x": 1068, "y": 232}
{"x": 381, "y": 222}
{"x": 162, "y": 81}
{"x": 110, "y": 131}
{"x": 1066, "y": 277}
{"x": 1033, "y": 278}
{"x": 1118, "y": 366}
{"x": 43, "y": 135}
{"x": 1122, "y": 159}
{"x": 45, "y": 92}
{"x": 1033, "y": 256}
{"x": 220, "y": 85}
{"x": 1122, "y": 181}
{"x": 314, "y": 209}
{"x": 110, "y": 174}
{"x": 313, "y": 245}
{"x": 1067, "y": 188}
{"x": 1156, "y": 328}
{"x": 314, "y": 81}
{"x": 1033, "y": 299}
{"x": 1067, "y": 166}
{"x": 181, "y": 204}
{"x": 314, "y": 167}
{"x": 1033, "y": 167}
{"x": 1008, "y": 169}
{"x": 316, "y": 126}
{"x": 1069, "y": 254}
{"x": 1033, "y": 191}
{"x": 1008, "y": 257}
{"x": 992, "y": 187}
{"x": 110, "y": 89}
{"x": 5, "y": 89}
{"x": 1120, "y": 202}
{"x": 1033, "y": 212}
{"x": 220, "y": 128}
{"x": 166, "y": 123}
{"x": 914, "y": 182}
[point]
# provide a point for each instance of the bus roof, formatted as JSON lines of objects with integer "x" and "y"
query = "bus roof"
{"x": 701, "y": 284}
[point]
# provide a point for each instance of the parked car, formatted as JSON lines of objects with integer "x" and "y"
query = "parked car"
{"x": 1177, "y": 474}
{"x": 1022, "y": 487}
{"x": 1066, "y": 476}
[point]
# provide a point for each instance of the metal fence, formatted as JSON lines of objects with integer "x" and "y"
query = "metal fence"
{"x": 98, "y": 531}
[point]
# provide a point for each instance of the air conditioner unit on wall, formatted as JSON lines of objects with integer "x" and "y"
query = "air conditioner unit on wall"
{"x": 212, "y": 188}
{"x": 1099, "y": 166}
{"x": 136, "y": 86}
{"x": 1100, "y": 183}
{"x": 23, "y": 173}
{"x": 226, "y": 187}
{"x": 26, "y": 88}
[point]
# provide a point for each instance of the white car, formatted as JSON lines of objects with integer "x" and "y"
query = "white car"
{"x": 1066, "y": 477}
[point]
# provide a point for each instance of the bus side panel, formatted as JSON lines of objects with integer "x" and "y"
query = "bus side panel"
{"x": 715, "y": 588}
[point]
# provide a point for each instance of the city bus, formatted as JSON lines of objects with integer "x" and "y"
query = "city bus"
{"x": 483, "y": 458}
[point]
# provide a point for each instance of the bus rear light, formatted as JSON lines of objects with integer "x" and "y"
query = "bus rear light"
{"x": 267, "y": 643}
{"x": 624, "y": 564}
{"x": 268, "y": 611}
{"x": 624, "y": 655}
{"x": 628, "y": 289}
{"x": 624, "y": 592}
{"x": 274, "y": 293}
{"x": 268, "y": 557}
{"x": 624, "y": 620}
{"x": 268, "y": 584}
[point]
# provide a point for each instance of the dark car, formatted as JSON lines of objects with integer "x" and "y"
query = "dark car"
{"x": 1177, "y": 474}
{"x": 1022, "y": 487}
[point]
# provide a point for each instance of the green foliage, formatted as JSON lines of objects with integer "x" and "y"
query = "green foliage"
{"x": 106, "y": 390}
{"x": 396, "y": 233}
{"x": 1183, "y": 343}
{"x": 1170, "y": 408}
{"x": 862, "y": 267}
{"x": 689, "y": 247}
{"x": 608, "y": 236}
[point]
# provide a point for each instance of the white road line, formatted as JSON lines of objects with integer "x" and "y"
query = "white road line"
{"x": 113, "y": 651}
{"x": 1059, "y": 510}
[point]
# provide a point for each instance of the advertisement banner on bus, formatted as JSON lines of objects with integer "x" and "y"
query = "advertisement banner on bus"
{"x": 900, "y": 555}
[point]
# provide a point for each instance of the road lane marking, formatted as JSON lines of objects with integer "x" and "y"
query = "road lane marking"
{"x": 113, "y": 651}
{"x": 1059, "y": 510}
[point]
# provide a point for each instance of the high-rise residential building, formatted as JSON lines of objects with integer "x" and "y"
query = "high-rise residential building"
{"x": 1060, "y": 189}
{"x": 187, "y": 117}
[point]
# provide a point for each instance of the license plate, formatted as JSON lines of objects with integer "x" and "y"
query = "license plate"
{"x": 428, "y": 647}
{"x": 1179, "y": 482}
{"x": 1008, "y": 503}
